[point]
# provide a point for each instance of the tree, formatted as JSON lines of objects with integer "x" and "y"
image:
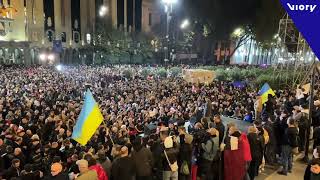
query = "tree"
{"x": 240, "y": 36}
{"x": 116, "y": 43}
{"x": 217, "y": 19}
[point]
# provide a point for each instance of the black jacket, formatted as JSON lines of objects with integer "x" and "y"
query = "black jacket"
{"x": 256, "y": 146}
{"x": 172, "y": 154}
{"x": 290, "y": 137}
{"x": 123, "y": 168}
{"x": 31, "y": 176}
{"x": 185, "y": 153}
{"x": 143, "y": 160}
{"x": 60, "y": 176}
{"x": 12, "y": 172}
{"x": 220, "y": 127}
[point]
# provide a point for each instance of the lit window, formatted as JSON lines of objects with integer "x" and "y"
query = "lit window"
{"x": 88, "y": 38}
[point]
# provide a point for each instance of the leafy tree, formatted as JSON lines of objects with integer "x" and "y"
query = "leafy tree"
{"x": 216, "y": 19}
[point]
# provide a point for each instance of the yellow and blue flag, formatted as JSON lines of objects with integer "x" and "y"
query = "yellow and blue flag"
{"x": 89, "y": 120}
{"x": 264, "y": 92}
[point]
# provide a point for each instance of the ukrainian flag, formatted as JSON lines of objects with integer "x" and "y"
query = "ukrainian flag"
{"x": 89, "y": 120}
{"x": 264, "y": 92}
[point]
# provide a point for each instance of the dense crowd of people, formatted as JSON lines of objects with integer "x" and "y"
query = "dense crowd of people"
{"x": 154, "y": 128}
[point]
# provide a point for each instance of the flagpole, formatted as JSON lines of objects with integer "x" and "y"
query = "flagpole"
{"x": 307, "y": 143}
{"x": 104, "y": 123}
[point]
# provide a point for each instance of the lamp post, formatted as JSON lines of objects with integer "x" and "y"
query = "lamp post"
{"x": 168, "y": 6}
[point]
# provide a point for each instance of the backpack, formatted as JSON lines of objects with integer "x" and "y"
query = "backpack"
{"x": 184, "y": 168}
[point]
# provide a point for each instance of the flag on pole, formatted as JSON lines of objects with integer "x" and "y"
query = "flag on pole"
{"x": 89, "y": 120}
{"x": 264, "y": 92}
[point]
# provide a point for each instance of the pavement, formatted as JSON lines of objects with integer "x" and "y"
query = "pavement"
{"x": 270, "y": 172}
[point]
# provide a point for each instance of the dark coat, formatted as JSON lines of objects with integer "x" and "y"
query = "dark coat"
{"x": 60, "y": 176}
{"x": 290, "y": 137}
{"x": 123, "y": 168}
{"x": 143, "y": 161}
{"x": 256, "y": 146}
{"x": 172, "y": 154}
{"x": 30, "y": 176}
{"x": 12, "y": 172}
{"x": 221, "y": 128}
{"x": 185, "y": 153}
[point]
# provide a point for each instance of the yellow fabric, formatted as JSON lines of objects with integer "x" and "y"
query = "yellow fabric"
{"x": 266, "y": 136}
{"x": 258, "y": 104}
{"x": 90, "y": 126}
{"x": 234, "y": 143}
{"x": 264, "y": 96}
{"x": 306, "y": 88}
{"x": 89, "y": 175}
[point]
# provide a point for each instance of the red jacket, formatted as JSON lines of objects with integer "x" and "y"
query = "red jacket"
{"x": 235, "y": 161}
{"x": 102, "y": 175}
{"x": 246, "y": 147}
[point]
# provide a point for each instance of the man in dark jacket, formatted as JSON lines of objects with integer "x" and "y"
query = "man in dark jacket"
{"x": 143, "y": 160}
{"x": 220, "y": 127}
{"x": 123, "y": 167}
{"x": 14, "y": 170}
{"x": 56, "y": 173}
{"x": 271, "y": 146}
{"x": 28, "y": 174}
{"x": 169, "y": 157}
{"x": 185, "y": 153}
{"x": 105, "y": 163}
{"x": 256, "y": 149}
{"x": 289, "y": 141}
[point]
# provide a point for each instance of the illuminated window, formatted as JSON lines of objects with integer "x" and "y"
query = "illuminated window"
{"x": 88, "y": 38}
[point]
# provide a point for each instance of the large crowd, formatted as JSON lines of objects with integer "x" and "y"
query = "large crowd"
{"x": 154, "y": 128}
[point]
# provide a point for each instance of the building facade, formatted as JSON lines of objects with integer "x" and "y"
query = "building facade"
{"x": 30, "y": 27}
{"x": 133, "y": 15}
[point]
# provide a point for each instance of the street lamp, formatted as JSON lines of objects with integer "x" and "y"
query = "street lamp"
{"x": 168, "y": 4}
{"x": 51, "y": 57}
{"x": 238, "y": 32}
{"x": 43, "y": 57}
{"x": 103, "y": 10}
{"x": 185, "y": 23}
{"x": 59, "y": 67}
{"x": 169, "y": 1}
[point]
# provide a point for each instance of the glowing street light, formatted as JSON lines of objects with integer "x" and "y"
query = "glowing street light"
{"x": 238, "y": 32}
{"x": 103, "y": 11}
{"x": 43, "y": 57}
{"x": 169, "y": 1}
{"x": 185, "y": 23}
{"x": 59, "y": 67}
{"x": 51, "y": 57}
